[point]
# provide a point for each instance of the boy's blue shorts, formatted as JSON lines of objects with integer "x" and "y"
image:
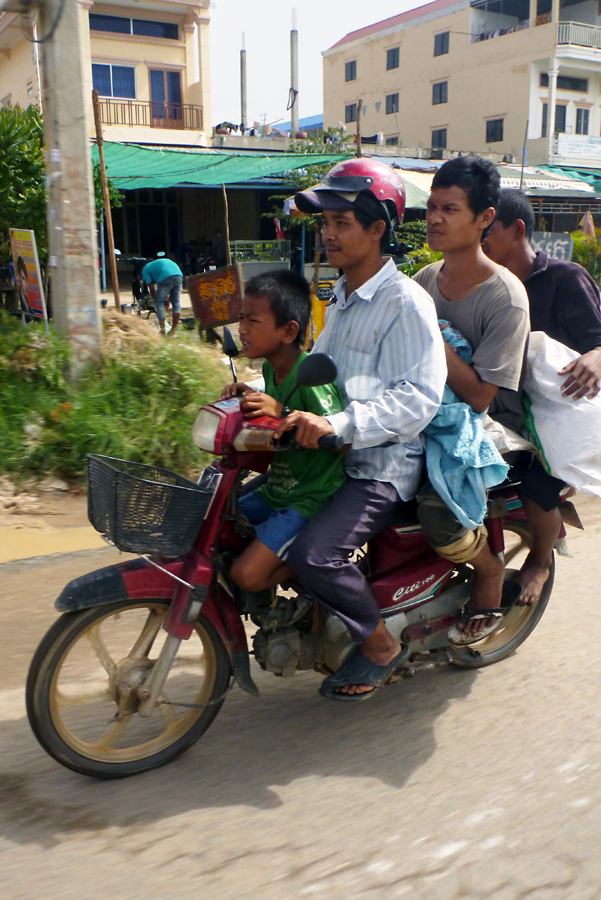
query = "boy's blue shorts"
{"x": 276, "y": 528}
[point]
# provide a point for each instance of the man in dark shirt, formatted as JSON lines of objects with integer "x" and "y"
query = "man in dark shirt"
{"x": 564, "y": 303}
{"x": 563, "y": 297}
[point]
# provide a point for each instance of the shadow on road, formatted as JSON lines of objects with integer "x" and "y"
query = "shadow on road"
{"x": 254, "y": 749}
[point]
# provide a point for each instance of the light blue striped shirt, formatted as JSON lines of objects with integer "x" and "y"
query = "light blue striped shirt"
{"x": 389, "y": 352}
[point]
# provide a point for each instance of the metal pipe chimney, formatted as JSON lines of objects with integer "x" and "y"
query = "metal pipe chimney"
{"x": 243, "y": 116}
{"x": 293, "y": 77}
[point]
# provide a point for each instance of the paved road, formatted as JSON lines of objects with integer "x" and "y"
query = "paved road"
{"x": 454, "y": 785}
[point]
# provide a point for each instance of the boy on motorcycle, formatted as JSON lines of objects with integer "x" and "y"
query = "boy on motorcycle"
{"x": 382, "y": 333}
{"x": 275, "y": 313}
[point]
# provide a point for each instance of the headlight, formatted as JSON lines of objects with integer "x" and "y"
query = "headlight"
{"x": 204, "y": 430}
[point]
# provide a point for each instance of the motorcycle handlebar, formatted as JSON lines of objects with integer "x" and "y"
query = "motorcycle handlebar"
{"x": 327, "y": 441}
{"x": 331, "y": 441}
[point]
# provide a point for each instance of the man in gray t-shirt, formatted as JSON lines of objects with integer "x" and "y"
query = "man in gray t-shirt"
{"x": 489, "y": 306}
{"x": 493, "y": 318}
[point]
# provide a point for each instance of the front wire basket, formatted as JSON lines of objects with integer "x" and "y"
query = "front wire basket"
{"x": 145, "y": 509}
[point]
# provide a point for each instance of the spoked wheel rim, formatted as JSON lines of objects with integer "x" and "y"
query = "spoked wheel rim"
{"x": 92, "y": 692}
{"x": 520, "y": 620}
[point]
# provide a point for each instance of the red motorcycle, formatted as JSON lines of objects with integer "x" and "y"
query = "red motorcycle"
{"x": 140, "y": 661}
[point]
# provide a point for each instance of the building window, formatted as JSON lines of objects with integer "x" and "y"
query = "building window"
{"x": 543, "y": 129}
{"x": 392, "y": 141}
{"x": 566, "y": 83}
{"x": 440, "y": 92}
{"x": 5, "y": 101}
{"x": 441, "y": 43}
{"x": 114, "y": 81}
{"x": 30, "y": 88}
{"x": 439, "y": 139}
{"x": 392, "y": 58}
{"x": 392, "y": 104}
{"x": 560, "y": 118}
{"x": 582, "y": 121}
{"x": 494, "y": 131}
{"x": 155, "y": 29}
{"x": 350, "y": 70}
{"x": 145, "y": 27}
{"x": 115, "y": 24}
{"x": 350, "y": 113}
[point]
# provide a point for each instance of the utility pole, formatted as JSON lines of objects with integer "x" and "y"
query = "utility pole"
{"x": 72, "y": 244}
{"x": 243, "y": 116}
{"x": 293, "y": 101}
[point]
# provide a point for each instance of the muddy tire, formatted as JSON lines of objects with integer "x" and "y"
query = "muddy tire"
{"x": 84, "y": 675}
{"x": 520, "y": 621}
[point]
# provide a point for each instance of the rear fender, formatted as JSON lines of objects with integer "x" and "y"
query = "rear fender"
{"x": 135, "y": 579}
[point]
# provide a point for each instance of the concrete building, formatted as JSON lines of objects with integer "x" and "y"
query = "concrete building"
{"x": 456, "y": 75}
{"x": 149, "y": 61}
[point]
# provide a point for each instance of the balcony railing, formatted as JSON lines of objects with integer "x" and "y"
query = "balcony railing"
{"x": 153, "y": 114}
{"x": 579, "y": 34}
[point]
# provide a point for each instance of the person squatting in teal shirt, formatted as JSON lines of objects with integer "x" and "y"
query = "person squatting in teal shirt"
{"x": 275, "y": 314}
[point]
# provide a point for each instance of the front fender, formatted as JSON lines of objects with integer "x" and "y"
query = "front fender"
{"x": 131, "y": 579}
{"x": 135, "y": 579}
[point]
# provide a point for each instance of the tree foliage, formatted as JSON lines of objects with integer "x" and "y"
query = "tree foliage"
{"x": 22, "y": 186}
{"x": 22, "y": 178}
{"x": 587, "y": 252}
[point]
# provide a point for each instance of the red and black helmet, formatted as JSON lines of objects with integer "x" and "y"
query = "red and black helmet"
{"x": 348, "y": 186}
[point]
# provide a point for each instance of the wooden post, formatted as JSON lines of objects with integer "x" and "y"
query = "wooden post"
{"x": 107, "y": 203}
{"x": 228, "y": 255}
{"x": 359, "y": 108}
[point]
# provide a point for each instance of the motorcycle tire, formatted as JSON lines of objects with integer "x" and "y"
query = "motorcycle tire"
{"x": 90, "y": 661}
{"x": 520, "y": 621}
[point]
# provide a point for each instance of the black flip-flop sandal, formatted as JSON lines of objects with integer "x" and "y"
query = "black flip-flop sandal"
{"x": 358, "y": 670}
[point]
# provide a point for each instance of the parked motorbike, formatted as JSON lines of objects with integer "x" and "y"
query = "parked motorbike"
{"x": 145, "y": 651}
{"x": 141, "y": 297}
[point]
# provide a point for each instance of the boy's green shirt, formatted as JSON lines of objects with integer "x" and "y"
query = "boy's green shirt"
{"x": 301, "y": 479}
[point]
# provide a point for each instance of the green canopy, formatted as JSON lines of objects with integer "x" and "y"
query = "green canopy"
{"x": 131, "y": 167}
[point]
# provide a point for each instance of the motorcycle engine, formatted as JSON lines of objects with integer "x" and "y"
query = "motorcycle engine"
{"x": 281, "y": 647}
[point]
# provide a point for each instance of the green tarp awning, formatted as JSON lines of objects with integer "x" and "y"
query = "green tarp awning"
{"x": 132, "y": 167}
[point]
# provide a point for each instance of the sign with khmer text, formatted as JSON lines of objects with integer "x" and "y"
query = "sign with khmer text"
{"x": 216, "y": 296}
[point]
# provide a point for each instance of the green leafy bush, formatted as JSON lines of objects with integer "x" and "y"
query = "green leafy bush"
{"x": 418, "y": 259}
{"x": 587, "y": 252}
{"x": 134, "y": 405}
{"x": 411, "y": 235}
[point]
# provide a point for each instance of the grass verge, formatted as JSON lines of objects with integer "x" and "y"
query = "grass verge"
{"x": 137, "y": 403}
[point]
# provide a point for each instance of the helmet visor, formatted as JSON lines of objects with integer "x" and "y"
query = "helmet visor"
{"x": 317, "y": 199}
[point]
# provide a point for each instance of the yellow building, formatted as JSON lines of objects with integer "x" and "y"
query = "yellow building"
{"x": 149, "y": 61}
{"x": 456, "y": 75}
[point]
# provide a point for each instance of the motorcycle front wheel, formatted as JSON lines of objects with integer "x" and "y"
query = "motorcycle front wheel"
{"x": 520, "y": 621}
{"x": 82, "y": 682}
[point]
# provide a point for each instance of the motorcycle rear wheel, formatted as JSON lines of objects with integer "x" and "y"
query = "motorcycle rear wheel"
{"x": 520, "y": 621}
{"x": 90, "y": 661}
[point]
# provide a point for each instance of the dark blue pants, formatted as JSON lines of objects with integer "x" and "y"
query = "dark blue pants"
{"x": 319, "y": 555}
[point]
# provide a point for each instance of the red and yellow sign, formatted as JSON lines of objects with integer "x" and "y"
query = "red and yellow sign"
{"x": 216, "y": 296}
{"x": 27, "y": 273}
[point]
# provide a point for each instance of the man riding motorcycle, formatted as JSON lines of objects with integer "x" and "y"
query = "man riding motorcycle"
{"x": 383, "y": 335}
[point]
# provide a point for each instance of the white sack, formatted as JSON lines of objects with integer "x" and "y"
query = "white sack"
{"x": 569, "y": 430}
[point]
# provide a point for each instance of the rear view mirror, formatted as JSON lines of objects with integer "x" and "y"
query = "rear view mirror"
{"x": 230, "y": 349}
{"x": 316, "y": 369}
{"x": 229, "y": 344}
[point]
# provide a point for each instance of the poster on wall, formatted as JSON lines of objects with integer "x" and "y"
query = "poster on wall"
{"x": 27, "y": 273}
